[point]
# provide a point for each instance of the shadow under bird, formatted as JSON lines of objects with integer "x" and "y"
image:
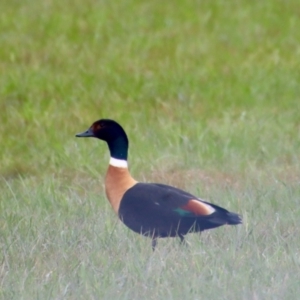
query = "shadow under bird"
{"x": 152, "y": 209}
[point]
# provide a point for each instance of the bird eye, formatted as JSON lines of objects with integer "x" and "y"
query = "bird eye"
{"x": 96, "y": 127}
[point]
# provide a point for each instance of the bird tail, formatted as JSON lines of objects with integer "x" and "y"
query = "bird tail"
{"x": 233, "y": 219}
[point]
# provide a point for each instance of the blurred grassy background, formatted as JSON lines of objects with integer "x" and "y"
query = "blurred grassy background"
{"x": 208, "y": 92}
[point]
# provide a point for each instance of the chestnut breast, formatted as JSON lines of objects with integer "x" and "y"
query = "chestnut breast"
{"x": 117, "y": 182}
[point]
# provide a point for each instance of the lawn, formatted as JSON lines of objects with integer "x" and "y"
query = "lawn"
{"x": 209, "y": 95}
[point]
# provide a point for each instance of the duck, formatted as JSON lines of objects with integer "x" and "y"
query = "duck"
{"x": 154, "y": 210}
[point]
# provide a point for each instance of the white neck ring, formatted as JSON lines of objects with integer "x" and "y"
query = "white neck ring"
{"x": 119, "y": 163}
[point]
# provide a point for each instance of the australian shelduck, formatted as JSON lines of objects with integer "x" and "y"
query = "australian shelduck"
{"x": 152, "y": 209}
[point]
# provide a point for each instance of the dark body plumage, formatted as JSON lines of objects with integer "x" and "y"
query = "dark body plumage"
{"x": 156, "y": 210}
{"x": 152, "y": 209}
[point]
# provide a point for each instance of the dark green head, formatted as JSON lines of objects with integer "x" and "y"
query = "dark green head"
{"x": 112, "y": 133}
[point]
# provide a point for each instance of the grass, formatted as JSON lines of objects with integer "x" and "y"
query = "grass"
{"x": 208, "y": 92}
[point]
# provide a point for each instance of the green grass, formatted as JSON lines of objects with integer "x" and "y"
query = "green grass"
{"x": 208, "y": 92}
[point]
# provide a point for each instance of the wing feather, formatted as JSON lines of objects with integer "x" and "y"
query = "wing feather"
{"x": 198, "y": 208}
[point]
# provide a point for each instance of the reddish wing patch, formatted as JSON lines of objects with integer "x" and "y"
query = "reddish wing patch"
{"x": 198, "y": 208}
